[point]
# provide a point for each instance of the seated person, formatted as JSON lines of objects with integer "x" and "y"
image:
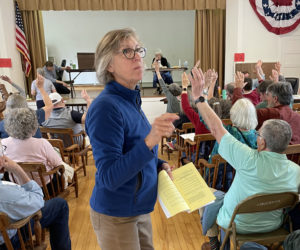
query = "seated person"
{"x": 50, "y": 70}
{"x": 265, "y": 170}
{"x": 21, "y": 201}
{"x": 48, "y": 87}
{"x": 17, "y": 101}
{"x": 20, "y": 146}
{"x": 279, "y": 97}
{"x": 250, "y": 93}
{"x": 166, "y": 75}
{"x": 172, "y": 92}
{"x": 62, "y": 117}
{"x": 262, "y": 91}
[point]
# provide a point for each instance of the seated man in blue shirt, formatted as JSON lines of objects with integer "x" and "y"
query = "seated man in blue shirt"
{"x": 50, "y": 70}
{"x": 18, "y": 101}
{"x": 19, "y": 202}
{"x": 265, "y": 170}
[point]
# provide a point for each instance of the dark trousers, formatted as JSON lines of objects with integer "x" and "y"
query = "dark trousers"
{"x": 166, "y": 76}
{"x": 40, "y": 104}
{"x": 61, "y": 89}
{"x": 55, "y": 217}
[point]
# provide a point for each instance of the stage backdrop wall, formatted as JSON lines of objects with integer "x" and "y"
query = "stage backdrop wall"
{"x": 69, "y": 32}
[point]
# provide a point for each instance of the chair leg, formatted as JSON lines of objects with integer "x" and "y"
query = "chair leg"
{"x": 76, "y": 184}
{"x": 83, "y": 163}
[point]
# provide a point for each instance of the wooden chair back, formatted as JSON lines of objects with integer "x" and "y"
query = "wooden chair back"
{"x": 6, "y": 224}
{"x": 293, "y": 153}
{"x": 74, "y": 144}
{"x": 256, "y": 204}
{"x": 180, "y": 143}
{"x": 58, "y": 143}
{"x": 296, "y": 106}
{"x": 37, "y": 171}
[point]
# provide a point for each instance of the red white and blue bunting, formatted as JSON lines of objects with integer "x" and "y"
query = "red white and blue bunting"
{"x": 278, "y": 16}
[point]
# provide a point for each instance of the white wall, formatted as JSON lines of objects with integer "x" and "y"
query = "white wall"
{"x": 69, "y": 32}
{"x": 245, "y": 33}
{"x": 8, "y": 44}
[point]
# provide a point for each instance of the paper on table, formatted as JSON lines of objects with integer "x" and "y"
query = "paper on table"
{"x": 190, "y": 136}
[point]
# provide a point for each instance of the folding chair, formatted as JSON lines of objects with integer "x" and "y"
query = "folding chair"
{"x": 256, "y": 204}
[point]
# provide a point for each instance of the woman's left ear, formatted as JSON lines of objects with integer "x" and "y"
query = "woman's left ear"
{"x": 110, "y": 68}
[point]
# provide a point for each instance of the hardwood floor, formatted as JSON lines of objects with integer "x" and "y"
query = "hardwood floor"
{"x": 181, "y": 232}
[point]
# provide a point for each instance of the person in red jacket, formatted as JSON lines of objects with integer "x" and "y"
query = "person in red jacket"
{"x": 279, "y": 97}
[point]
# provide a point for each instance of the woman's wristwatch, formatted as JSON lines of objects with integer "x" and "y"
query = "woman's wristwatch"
{"x": 200, "y": 99}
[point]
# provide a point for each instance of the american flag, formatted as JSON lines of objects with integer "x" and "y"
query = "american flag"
{"x": 21, "y": 40}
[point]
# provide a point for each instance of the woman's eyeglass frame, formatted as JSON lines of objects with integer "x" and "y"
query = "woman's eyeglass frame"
{"x": 129, "y": 53}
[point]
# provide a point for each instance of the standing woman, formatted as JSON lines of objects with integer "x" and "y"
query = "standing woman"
{"x": 124, "y": 146}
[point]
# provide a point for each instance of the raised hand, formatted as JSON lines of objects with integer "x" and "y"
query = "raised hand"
{"x": 207, "y": 78}
{"x": 278, "y": 67}
{"x": 239, "y": 80}
{"x": 6, "y": 78}
{"x": 185, "y": 80}
{"x": 40, "y": 81}
{"x": 258, "y": 64}
{"x": 197, "y": 81}
{"x": 156, "y": 66}
{"x": 162, "y": 126}
{"x": 275, "y": 76}
{"x": 214, "y": 75}
{"x": 85, "y": 95}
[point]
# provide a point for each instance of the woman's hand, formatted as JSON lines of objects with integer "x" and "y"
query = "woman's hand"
{"x": 184, "y": 80}
{"x": 197, "y": 81}
{"x": 156, "y": 66}
{"x": 162, "y": 126}
{"x": 165, "y": 166}
{"x": 239, "y": 80}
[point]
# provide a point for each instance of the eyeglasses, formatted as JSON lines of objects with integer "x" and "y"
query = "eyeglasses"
{"x": 129, "y": 53}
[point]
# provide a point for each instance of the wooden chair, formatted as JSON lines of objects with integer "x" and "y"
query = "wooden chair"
{"x": 255, "y": 204}
{"x": 296, "y": 106}
{"x": 293, "y": 153}
{"x": 164, "y": 145}
{"x": 194, "y": 146}
{"x": 214, "y": 166}
{"x": 74, "y": 145}
{"x": 6, "y": 224}
{"x": 180, "y": 144}
{"x": 38, "y": 170}
{"x": 58, "y": 143}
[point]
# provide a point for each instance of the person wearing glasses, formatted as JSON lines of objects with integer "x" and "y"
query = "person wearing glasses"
{"x": 124, "y": 146}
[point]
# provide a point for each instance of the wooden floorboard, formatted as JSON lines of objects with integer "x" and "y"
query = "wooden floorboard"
{"x": 181, "y": 232}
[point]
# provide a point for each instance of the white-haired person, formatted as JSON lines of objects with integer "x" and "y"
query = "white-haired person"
{"x": 166, "y": 75}
{"x": 265, "y": 170}
{"x": 125, "y": 146}
{"x": 21, "y": 146}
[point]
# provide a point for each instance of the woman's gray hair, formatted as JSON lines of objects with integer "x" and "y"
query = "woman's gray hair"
{"x": 283, "y": 91}
{"x": 174, "y": 89}
{"x": 220, "y": 107}
{"x": 106, "y": 49}
{"x": 277, "y": 134}
{"x": 40, "y": 71}
{"x": 21, "y": 123}
{"x": 16, "y": 101}
{"x": 243, "y": 114}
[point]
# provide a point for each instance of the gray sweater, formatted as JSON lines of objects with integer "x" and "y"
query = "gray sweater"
{"x": 173, "y": 105}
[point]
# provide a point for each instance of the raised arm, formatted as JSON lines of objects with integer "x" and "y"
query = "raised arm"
{"x": 211, "y": 119}
{"x": 238, "y": 86}
{"x": 88, "y": 100}
{"x": 161, "y": 81}
{"x": 211, "y": 87}
{"x": 48, "y": 103}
